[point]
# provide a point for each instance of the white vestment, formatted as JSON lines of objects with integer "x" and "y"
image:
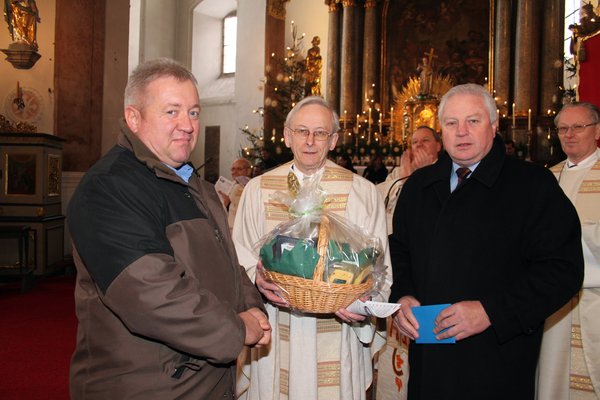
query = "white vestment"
{"x": 569, "y": 365}
{"x": 309, "y": 357}
{"x": 392, "y": 361}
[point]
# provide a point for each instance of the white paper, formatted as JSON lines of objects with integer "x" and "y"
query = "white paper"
{"x": 223, "y": 185}
{"x": 373, "y": 308}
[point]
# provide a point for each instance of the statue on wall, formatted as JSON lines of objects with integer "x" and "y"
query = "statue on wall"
{"x": 313, "y": 68}
{"x": 425, "y": 71}
{"x": 22, "y": 17}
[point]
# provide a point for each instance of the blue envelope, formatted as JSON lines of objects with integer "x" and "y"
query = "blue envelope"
{"x": 426, "y": 315}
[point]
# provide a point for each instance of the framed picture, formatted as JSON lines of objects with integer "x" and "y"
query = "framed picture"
{"x": 452, "y": 38}
{"x": 20, "y": 174}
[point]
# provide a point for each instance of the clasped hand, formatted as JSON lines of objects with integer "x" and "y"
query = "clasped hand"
{"x": 258, "y": 328}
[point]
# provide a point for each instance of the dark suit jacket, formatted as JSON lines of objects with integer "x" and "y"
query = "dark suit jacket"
{"x": 507, "y": 237}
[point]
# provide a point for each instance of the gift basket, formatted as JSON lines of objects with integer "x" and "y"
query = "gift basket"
{"x": 319, "y": 260}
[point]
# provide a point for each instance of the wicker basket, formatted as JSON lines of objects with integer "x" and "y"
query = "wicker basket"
{"x": 314, "y": 295}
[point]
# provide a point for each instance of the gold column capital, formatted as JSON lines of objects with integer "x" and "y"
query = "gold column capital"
{"x": 371, "y": 3}
{"x": 348, "y": 3}
{"x": 333, "y": 5}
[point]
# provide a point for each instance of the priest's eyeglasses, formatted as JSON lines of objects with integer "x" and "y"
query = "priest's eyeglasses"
{"x": 562, "y": 130}
{"x": 318, "y": 134}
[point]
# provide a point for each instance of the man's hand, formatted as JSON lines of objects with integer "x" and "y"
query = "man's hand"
{"x": 465, "y": 319}
{"x": 405, "y": 319}
{"x": 406, "y": 168}
{"x": 258, "y": 329}
{"x": 349, "y": 317}
{"x": 269, "y": 289}
{"x": 226, "y": 199}
{"x": 421, "y": 158}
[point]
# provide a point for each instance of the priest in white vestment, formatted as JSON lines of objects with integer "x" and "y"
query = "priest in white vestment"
{"x": 569, "y": 365}
{"x": 324, "y": 357}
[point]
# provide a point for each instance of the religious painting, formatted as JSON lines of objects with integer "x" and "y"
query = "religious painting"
{"x": 20, "y": 174}
{"x": 424, "y": 37}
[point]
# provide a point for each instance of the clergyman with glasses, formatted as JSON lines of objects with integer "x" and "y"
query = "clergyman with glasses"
{"x": 568, "y": 366}
{"x": 311, "y": 358}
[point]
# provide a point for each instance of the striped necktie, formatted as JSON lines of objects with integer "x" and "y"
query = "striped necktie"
{"x": 462, "y": 174}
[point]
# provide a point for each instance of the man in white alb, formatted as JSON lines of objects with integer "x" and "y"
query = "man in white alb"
{"x": 329, "y": 357}
{"x": 569, "y": 365}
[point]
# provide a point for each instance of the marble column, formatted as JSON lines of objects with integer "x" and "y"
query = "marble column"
{"x": 502, "y": 58}
{"x": 552, "y": 56}
{"x": 527, "y": 52}
{"x": 350, "y": 59}
{"x": 371, "y": 53}
{"x": 333, "y": 56}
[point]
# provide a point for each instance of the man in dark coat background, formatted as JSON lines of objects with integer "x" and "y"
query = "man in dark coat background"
{"x": 502, "y": 247}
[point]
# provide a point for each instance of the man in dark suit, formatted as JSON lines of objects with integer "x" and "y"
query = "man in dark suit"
{"x": 500, "y": 243}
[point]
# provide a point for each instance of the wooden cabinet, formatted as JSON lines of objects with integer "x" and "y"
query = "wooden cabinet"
{"x": 30, "y": 195}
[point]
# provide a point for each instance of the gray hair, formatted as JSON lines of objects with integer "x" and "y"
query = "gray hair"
{"x": 593, "y": 111}
{"x": 474, "y": 90}
{"x": 148, "y": 72}
{"x": 335, "y": 122}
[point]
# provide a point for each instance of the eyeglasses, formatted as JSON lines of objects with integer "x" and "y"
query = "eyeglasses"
{"x": 562, "y": 130}
{"x": 318, "y": 134}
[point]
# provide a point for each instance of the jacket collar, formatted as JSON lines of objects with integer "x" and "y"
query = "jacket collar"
{"x": 131, "y": 142}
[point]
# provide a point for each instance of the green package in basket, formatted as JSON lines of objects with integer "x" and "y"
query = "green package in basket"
{"x": 290, "y": 256}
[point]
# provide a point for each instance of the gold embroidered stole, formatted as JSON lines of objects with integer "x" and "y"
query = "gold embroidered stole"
{"x": 581, "y": 368}
{"x": 336, "y": 182}
{"x": 587, "y": 194}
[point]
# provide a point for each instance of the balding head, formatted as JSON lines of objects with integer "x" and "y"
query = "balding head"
{"x": 240, "y": 167}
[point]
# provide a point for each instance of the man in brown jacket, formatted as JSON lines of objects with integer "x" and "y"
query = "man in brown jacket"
{"x": 164, "y": 308}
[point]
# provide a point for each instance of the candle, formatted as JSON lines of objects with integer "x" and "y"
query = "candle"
{"x": 513, "y": 115}
{"x": 529, "y": 119}
{"x": 370, "y": 119}
{"x": 345, "y": 118}
{"x": 274, "y": 135}
{"x": 391, "y": 122}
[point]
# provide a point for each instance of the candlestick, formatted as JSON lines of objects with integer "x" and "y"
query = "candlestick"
{"x": 392, "y": 119}
{"x": 513, "y": 115}
{"x": 529, "y": 119}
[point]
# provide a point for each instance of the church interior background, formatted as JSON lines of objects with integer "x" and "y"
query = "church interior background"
{"x": 382, "y": 64}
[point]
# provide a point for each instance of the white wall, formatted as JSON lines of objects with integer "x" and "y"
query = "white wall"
{"x": 157, "y": 35}
{"x": 40, "y": 78}
{"x": 233, "y": 113}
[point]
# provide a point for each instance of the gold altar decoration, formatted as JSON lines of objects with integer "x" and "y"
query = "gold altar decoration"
{"x": 412, "y": 109}
{"x": 22, "y": 18}
{"x": 313, "y": 68}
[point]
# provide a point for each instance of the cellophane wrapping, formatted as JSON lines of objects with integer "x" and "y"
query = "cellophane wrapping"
{"x": 349, "y": 254}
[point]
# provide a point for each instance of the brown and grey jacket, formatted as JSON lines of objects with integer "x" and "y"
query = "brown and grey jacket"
{"x": 158, "y": 288}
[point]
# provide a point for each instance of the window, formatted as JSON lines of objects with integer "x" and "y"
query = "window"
{"x": 229, "y": 43}
{"x": 571, "y": 17}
